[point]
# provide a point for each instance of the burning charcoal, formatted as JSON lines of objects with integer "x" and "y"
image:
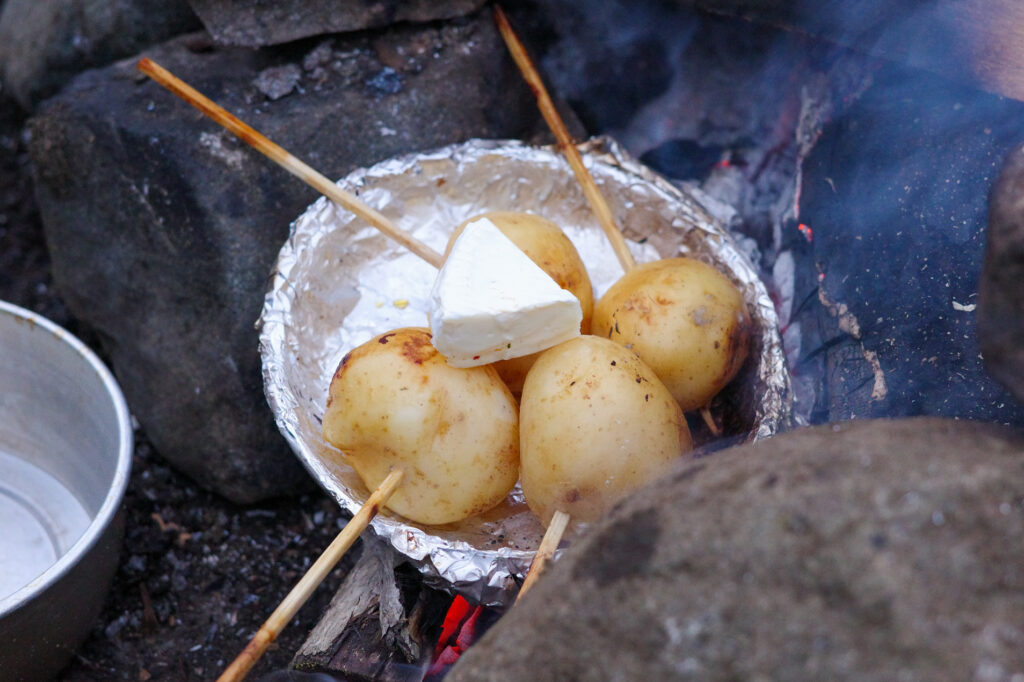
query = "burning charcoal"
{"x": 1001, "y": 295}
{"x": 875, "y": 550}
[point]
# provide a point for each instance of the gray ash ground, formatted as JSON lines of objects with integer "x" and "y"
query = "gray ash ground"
{"x": 197, "y": 574}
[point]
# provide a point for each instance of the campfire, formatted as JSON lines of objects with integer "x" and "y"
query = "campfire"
{"x": 865, "y": 168}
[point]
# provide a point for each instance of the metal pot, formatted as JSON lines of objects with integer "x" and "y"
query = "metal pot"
{"x": 65, "y": 456}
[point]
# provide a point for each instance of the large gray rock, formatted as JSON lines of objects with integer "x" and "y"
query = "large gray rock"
{"x": 44, "y": 43}
{"x": 1001, "y": 289}
{"x": 254, "y": 22}
{"x": 875, "y": 550}
{"x": 163, "y": 228}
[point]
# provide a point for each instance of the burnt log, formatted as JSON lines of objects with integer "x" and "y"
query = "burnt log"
{"x": 894, "y": 194}
{"x": 381, "y": 624}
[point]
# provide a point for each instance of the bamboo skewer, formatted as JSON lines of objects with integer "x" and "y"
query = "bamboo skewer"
{"x": 565, "y": 141}
{"x": 283, "y": 158}
{"x": 299, "y": 594}
{"x": 311, "y": 580}
{"x": 560, "y": 520}
{"x": 548, "y": 546}
{"x": 572, "y": 154}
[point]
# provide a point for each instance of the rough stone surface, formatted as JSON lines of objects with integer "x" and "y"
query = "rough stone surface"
{"x": 258, "y": 22}
{"x": 162, "y": 228}
{"x": 44, "y": 43}
{"x": 1001, "y": 290}
{"x": 873, "y": 550}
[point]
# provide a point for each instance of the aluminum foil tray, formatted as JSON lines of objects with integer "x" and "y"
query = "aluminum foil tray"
{"x": 338, "y": 283}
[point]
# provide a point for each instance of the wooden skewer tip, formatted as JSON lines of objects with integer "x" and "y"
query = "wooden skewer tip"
{"x": 299, "y": 594}
{"x": 709, "y": 419}
{"x": 546, "y": 551}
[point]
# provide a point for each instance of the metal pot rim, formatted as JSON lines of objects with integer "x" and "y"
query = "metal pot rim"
{"x": 112, "y": 502}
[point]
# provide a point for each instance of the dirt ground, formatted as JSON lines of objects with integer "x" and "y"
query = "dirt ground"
{"x": 197, "y": 574}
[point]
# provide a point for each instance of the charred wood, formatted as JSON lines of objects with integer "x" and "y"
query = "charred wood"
{"x": 380, "y": 625}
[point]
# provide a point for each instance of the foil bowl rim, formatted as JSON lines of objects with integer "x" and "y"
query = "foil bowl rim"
{"x": 438, "y": 556}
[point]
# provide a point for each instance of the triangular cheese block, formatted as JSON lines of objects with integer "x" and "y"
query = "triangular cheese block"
{"x": 491, "y": 302}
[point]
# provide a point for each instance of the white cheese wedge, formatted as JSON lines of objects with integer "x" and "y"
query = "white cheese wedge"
{"x": 491, "y": 302}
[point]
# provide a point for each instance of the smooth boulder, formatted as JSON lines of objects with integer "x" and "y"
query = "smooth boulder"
{"x": 1001, "y": 287}
{"x": 871, "y": 550}
{"x": 163, "y": 228}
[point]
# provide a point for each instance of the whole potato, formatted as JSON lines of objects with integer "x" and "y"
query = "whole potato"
{"x": 546, "y": 245}
{"x": 595, "y": 424}
{"x": 395, "y": 403}
{"x": 685, "y": 319}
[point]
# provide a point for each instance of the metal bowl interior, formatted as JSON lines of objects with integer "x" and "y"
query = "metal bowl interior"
{"x": 338, "y": 283}
{"x": 65, "y": 457}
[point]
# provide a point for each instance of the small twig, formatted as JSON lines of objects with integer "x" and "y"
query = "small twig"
{"x": 709, "y": 419}
{"x": 309, "y": 582}
{"x": 149, "y": 620}
{"x": 548, "y": 545}
{"x": 565, "y": 141}
{"x": 280, "y": 156}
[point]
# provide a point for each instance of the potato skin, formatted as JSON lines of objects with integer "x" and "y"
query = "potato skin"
{"x": 394, "y": 402}
{"x": 685, "y": 319}
{"x": 595, "y": 424}
{"x": 546, "y": 245}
